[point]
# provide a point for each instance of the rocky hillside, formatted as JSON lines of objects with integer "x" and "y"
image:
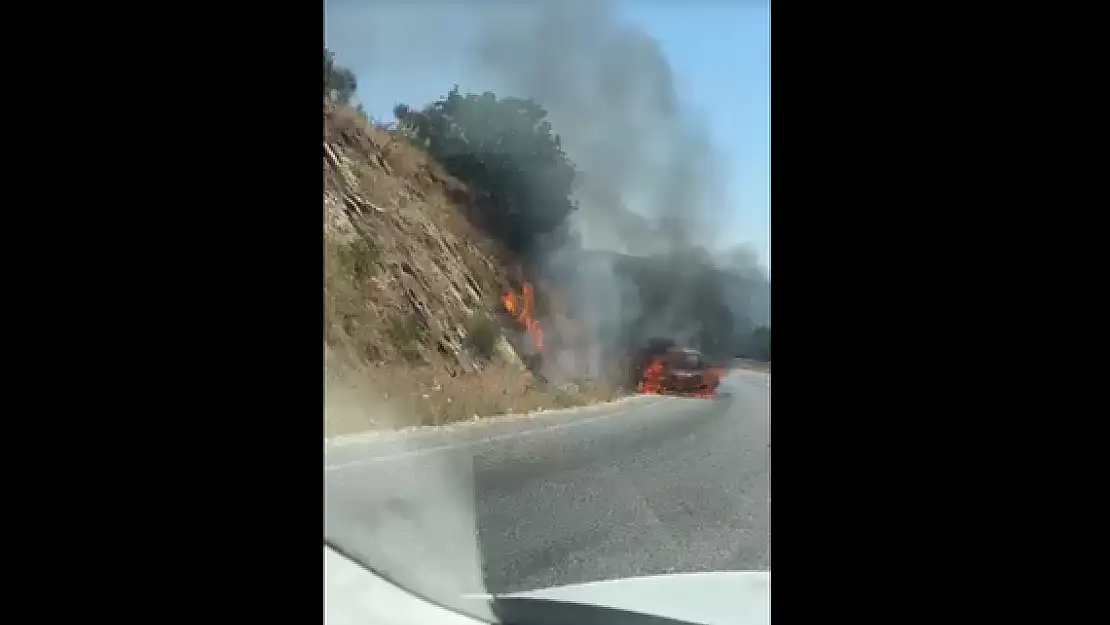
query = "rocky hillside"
{"x": 415, "y": 331}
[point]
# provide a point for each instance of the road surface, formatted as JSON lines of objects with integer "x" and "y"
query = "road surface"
{"x": 650, "y": 485}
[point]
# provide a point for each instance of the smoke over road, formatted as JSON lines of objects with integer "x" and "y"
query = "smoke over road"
{"x": 651, "y": 190}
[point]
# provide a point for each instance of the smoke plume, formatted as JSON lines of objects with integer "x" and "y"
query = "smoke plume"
{"x": 650, "y": 183}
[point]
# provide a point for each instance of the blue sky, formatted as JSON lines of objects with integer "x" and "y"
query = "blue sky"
{"x": 719, "y": 52}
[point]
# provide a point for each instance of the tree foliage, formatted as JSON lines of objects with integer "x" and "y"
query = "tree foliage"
{"x": 505, "y": 149}
{"x": 338, "y": 80}
{"x": 761, "y": 343}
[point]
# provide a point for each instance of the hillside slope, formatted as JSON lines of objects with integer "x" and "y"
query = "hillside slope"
{"x": 413, "y": 324}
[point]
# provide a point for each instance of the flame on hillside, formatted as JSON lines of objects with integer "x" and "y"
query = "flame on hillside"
{"x": 523, "y": 309}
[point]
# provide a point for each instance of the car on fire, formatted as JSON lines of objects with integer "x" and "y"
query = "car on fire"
{"x": 668, "y": 369}
{"x": 686, "y": 372}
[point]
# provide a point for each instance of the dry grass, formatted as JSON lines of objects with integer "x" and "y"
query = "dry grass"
{"x": 427, "y": 397}
{"x": 397, "y": 395}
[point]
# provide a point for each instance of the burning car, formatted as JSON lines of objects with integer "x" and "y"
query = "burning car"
{"x": 673, "y": 370}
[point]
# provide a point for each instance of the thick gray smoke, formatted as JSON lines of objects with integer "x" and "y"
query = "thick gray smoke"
{"x": 611, "y": 97}
{"x": 651, "y": 179}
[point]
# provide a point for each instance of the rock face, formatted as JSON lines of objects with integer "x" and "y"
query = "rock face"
{"x": 404, "y": 272}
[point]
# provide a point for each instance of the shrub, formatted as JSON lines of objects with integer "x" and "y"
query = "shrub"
{"x": 407, "y": 336}
{"x": 483, "y": 334}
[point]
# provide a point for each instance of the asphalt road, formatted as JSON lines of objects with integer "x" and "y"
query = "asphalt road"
{"x": 650, "y": 485}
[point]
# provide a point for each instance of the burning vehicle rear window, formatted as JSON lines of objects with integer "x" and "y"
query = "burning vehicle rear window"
{"x": 684, "y": 360}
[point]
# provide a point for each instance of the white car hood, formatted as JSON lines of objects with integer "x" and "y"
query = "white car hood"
{"x": 356, "y": 596}
{"x": 725, "y": 598}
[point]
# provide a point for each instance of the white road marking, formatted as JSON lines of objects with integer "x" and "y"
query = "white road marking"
{"x": 414, "y": 453}
{"x": 401, "y": 434}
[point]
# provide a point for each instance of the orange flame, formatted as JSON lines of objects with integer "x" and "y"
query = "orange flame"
{"x": 652, "y": 381}
{"x": 523, "y": 310}
{"x": 712, "y": 380}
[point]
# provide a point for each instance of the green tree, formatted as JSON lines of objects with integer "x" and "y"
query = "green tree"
{"x": 338, "y": 79}
{"x": 505, "y": 149}
{"x": 761, "y": 343}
